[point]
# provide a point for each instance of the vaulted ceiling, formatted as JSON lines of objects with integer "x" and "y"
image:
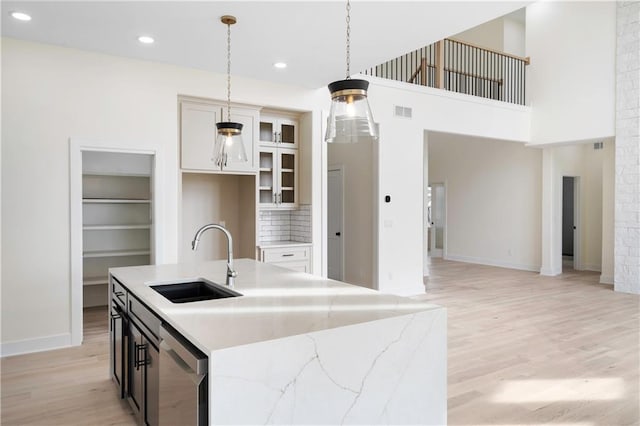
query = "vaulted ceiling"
{"x": 308, "y": 35}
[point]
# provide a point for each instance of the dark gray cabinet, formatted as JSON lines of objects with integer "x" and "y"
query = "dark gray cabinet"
{"x": 135, "y": 359}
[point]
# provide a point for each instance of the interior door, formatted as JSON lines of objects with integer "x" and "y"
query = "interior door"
{"x": 334, "y": 225}
{"x": 437, "y": 220}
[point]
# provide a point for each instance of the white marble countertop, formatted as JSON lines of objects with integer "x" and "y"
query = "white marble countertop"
{"x": 276, "y": 303}
{"x": 275, "y": 244}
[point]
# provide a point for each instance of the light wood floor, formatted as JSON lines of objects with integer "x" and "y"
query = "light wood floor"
{"x": 523, "y": 349}
{"x": 66, "y": 386}
{"x": 526, "y": 349}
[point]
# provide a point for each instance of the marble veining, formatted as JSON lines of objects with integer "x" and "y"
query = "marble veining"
{"x": 297, "y": 349}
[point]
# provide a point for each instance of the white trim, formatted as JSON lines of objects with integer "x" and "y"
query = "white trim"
{"x": 591, "y": 267}
{"x": 324, "y": 226}
{"x": 577, "y": 223}
{"x": 606, "y": 279}
{"x": 492, "y": 262}
{"x": 38, "y": 344}
{"x": 76, "y": 146}
{"x": 549, "y": 272}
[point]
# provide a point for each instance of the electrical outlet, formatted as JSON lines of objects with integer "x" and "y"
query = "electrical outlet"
{"x": 223, "y": 223}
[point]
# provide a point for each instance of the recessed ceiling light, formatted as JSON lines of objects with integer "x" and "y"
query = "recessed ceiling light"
{"x": 280, "y": 65}
{"x": 20, "y": 16}
{"x": 146, "y": 39}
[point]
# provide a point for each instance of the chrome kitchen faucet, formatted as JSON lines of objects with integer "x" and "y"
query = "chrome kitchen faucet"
{"x": 231, "y": 273}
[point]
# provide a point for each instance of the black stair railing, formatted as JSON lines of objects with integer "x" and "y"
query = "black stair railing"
{"x": 460, "y": 67}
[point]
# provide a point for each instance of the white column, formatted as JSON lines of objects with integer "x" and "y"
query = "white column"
{"x": 550, "y": 263}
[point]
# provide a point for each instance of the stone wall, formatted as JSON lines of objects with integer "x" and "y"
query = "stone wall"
{"x": 627, "y": 157}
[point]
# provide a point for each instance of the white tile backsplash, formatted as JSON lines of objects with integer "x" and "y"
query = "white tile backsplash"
{"x": 286, "y": 225}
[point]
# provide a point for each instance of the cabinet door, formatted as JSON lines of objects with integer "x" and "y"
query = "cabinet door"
{"x": 198, "y": 135}
{"x": 135, "y": 393}
{"x": 117, "y": 343}
{"x": 268, "y": 178}
{"x": 268, "y": 130}
{"x": 288, "y": 177}
{"x": 288, "y": 133}
{"x": 152, "y": 388}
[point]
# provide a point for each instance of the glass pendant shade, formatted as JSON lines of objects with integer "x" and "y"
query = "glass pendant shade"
{"x": 350, "y": 119}
{"x": 229, "y": 147}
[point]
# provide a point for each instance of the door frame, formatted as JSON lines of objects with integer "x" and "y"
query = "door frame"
{"x": 443, "y": 251}
{"x": 336, "y": 168}
{"x": 76, "y": 148}
{"x": 577, "y": 221}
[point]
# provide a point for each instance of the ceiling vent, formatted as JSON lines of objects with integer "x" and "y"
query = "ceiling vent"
{"x": 598, "y": 145}
{"x": 404, "y": 112}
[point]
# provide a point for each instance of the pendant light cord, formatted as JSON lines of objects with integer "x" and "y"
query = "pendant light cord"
{"x": 348, "y": 40}
{"x": 228, "y": 72}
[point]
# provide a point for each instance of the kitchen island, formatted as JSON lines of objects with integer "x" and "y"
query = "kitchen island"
{"x": 300, "y": 349}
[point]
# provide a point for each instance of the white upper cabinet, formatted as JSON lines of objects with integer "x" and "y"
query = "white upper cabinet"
{"x": 198, "y": 134}
{"x": 278, "y": 178}
{"x": 278, "y": 131}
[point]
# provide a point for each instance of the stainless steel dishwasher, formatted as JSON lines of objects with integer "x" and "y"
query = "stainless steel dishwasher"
{"x": 183, "y": 381}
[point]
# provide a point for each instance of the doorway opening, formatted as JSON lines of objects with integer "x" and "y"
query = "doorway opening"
{"x": 436, "y": 219}
{"x": 570, "y": 218}
{"x": 113, "y": 218}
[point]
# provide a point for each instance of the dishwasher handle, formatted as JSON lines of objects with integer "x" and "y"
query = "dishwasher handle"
{"x": 181, "y": 354}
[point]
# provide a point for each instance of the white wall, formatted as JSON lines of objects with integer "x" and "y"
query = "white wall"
{"x": 489, "y": 34}
{"x": 515, "y": 34}
{"x": 50, "y": 94}
{"x": 505, "y": 34}
{"x": 400, "y": 243}
{"x": 571, "y": 79}
{"x": 493, "y": 194}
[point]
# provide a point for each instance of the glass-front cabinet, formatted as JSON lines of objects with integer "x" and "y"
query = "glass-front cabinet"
{"x": 278, "y": 178}
{"x": 278, "y": 131}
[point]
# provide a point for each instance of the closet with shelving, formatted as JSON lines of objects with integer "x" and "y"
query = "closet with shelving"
{"x": 117, "y": 207}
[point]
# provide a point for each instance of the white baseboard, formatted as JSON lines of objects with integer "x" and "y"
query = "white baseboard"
{"x": 606, "y": 279}
{"x": 35, "y": 345}
{"x": 491, "y": 262}
{"x": 549, "y": 272}
{"x": 592, "y": 268}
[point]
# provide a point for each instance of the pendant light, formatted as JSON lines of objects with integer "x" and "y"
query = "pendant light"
{"x": 229, "y": 146}
{"x": 350, "y": 119}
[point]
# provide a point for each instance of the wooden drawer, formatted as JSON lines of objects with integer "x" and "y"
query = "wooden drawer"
{"x": 144, "y": 317}
{"x": 285, "y": 254}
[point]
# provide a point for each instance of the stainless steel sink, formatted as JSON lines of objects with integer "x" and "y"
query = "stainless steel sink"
{"x": 193, "y": 291}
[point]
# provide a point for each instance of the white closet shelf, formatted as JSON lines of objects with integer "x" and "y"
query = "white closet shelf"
{"x": 266, "y": 169}
{"x": 95, "y": 280}
{"x": 114, "y": 227}
{"x": 286, "y": 170}
{"x": 114, "y": 173}
{"x": 115, "y": 253}
{"x": 115, "y": 201}
{"x": 266, "y": 188}
{"x": 287, "y": 188}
